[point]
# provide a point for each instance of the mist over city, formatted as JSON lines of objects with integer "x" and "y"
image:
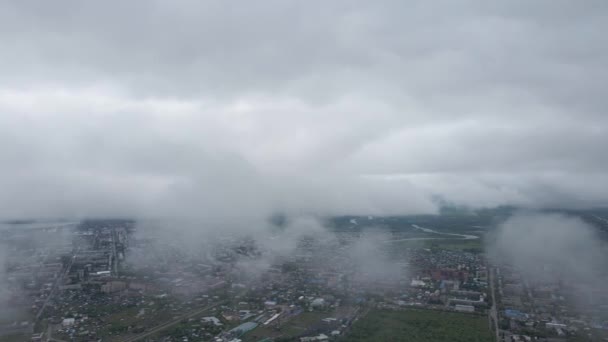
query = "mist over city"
{"x": 303, "y": 171}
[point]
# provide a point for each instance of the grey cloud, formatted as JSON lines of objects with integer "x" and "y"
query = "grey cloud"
{"x": 548, "y": 247}
{"x": 159, "y": 108}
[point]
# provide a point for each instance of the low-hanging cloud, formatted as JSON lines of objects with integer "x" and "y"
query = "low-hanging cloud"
{"x": 550, "y": 247}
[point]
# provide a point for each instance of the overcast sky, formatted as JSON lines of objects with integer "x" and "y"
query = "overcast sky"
{"x": 172, "y": 108}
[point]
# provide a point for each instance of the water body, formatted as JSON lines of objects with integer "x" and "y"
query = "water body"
{"x": 430, "y": 231}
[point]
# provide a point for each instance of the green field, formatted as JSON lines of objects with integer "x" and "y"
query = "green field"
{"x": 14, "y": 338}
{"x": 420, "y": 326}
{"x": 456, "y": 244}
{"x": 294, "y": 327}
{"x": 474, "y": 246}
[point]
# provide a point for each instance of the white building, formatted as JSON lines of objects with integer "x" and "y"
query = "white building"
{"x": 464, "y": 308}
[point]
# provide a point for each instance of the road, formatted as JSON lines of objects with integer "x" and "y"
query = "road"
{"x": 460, "y": 236}
{"x": 114, "y": 261}
{"x": 431, "y": 231}
{"x": 170, "y": 323}
{"x": 56, "y": 285}
{"x": 493, "y": 311}
{"x": 359, "y": 312}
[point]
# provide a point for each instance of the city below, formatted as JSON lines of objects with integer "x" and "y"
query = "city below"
{"x": 356, "y": 278}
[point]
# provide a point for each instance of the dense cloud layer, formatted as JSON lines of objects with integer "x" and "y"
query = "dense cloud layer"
{"x": 203, "y": 108}
{"x": 549, "y": 247}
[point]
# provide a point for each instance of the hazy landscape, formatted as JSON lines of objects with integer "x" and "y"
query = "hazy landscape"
{"x": 278, "y": 170}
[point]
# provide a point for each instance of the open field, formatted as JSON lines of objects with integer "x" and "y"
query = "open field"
{"x": 294, "y": 327}
{"x": 457, "y": 244}
{"x": 306, "y": 323}
{"x": 420, "y": 326}
{"x": 475, "y": 245}
{"x": 14, "y": 338}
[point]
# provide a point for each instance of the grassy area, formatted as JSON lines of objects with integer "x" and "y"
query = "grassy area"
{"x": 592, "y": 335}
{"x": 14, "y": 338}
{"x": 473, "y": 245}
{"x": 119, "y": 319}
{"x": 15, "y": 315}
{"x": 455, "y": 244}
{"x": 294, "y": 327}
{"x": 420, "y": 326}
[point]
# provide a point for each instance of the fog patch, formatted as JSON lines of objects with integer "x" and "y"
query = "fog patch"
{"x": 371, "y": 262}
{"x": 249, "y": 251}
{"x": 551, "y": 248}
{"x": 5, "y": 294}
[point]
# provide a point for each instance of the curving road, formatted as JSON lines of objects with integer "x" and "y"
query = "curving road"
{"x": 430, "y": 231}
